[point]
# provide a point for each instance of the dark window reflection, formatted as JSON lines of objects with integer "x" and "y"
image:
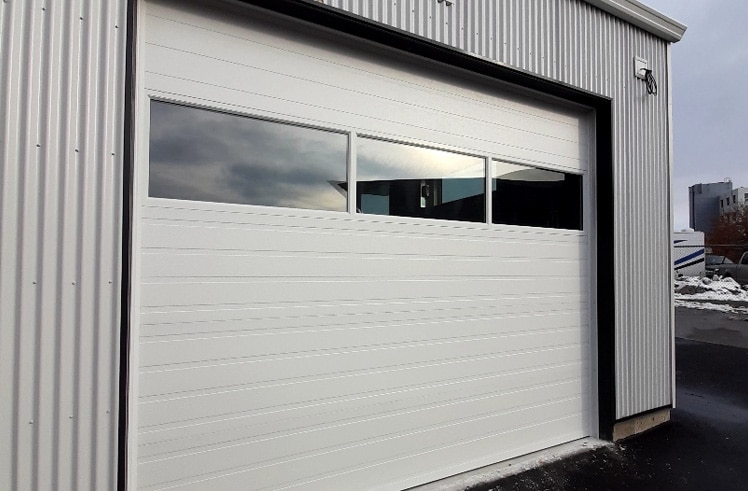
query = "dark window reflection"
{"x": 409, "y": 181}
{"x": 202, "y": 155}
{"x": 534, "y": 197}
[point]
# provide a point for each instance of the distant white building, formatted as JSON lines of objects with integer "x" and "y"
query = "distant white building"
{"x": 730, "y": 201}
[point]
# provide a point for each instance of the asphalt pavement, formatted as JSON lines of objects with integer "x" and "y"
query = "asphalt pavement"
{"x": 712, "y": 327}
{"x": 704, "y": 446}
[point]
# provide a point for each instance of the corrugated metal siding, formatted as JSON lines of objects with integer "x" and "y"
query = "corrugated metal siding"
{"x": 61, "y": 92}
{"x": 578, "y": 44}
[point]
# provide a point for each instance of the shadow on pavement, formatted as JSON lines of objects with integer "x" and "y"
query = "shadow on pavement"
{"x": 703, "y": 447}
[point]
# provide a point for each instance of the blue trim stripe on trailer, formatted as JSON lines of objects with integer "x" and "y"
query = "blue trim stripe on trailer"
{"x": 679, "y": 241}
{"x": 689, "y": 264}
{"x": 689, "y": 257}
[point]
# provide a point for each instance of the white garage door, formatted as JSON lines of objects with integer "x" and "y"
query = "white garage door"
{"x": 357, "y": 271}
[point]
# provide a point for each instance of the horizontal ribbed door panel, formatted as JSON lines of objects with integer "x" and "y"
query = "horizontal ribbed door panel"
{"x": 283, "y": 348}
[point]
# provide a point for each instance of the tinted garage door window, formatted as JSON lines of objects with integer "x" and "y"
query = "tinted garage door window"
{"x": 524, "y": 195}
{"x": 411, "y": 181}
{"x": 203, "y": 155}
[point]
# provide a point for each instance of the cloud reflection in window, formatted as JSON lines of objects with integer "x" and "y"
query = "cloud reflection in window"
{"x": 203, "y": 155}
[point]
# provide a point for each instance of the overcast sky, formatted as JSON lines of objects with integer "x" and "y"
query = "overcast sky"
{"x": 710, "y": 95}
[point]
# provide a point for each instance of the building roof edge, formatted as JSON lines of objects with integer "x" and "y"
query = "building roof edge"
{"x": 644, "y": 17}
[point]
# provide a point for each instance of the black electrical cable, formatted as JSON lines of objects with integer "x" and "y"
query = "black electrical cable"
{"x": 651, "y": 82}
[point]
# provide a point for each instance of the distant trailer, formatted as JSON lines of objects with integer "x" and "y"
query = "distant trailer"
{"x": 688, "y": 253}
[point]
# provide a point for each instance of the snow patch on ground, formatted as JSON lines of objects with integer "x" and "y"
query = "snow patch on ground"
{"x": 722, "y": 307}
{"x": 695, "y": 292}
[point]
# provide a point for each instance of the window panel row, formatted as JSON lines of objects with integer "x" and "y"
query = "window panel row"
{"x": 204, "y": 155}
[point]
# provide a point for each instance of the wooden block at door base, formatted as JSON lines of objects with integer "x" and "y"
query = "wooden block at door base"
{"x": 640, "y": 424}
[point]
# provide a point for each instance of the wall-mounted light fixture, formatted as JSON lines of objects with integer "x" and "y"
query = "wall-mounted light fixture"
{"x": 642, "y": 71}
{"x": 447, "y": 2}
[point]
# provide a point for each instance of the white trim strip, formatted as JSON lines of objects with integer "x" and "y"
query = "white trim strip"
{"x": 644, "y": 17}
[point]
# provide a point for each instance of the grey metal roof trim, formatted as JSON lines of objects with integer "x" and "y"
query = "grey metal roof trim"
{"x": 644, "y": 17}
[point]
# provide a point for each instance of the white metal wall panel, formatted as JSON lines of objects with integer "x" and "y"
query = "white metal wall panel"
{"x": 61, "y": 126}
{"x": 286, "y": 348}
{"x": 576, "y": 43}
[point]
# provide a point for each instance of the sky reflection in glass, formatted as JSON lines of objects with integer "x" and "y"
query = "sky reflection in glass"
{"x": 204, "y": 155}
{"x": 410, "y": 181}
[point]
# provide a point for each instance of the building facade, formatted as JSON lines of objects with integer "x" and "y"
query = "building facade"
{"x": 285, "y": 244}
{"x": 705, "y": 203}
{"x": 733, "y": 200}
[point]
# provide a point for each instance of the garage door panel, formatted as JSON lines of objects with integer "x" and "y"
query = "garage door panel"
{"x": 233, "y": 293}
{"x": 222, "y": 216}
{"x": 394, "y": 432}
{"x": 278, "y": 446}
{"x": 400, "y": 469}
{"x": 236, "y": 34}
{"x": 513, "y": 144}
{"x": 327, "y": 79}
{"x": 354, "y": 316}
{"x": 172, "y": 215}
{"x": 338, "y": 393}
{"x": 525, "y": 335}
{"x": 294, "y": 239}
{"x": 213, "y": 266}
{"x": 342, "y": 387}
{"x": 406, "y": 436}
{"x": 278, "y": 400}
{"x": 505, "y": 331}
{"x": 451, "y": 458}
{"x": 286, "y": 423}
{"x": 318, "y": 403}
{"x": 317, "y": 235}
{"x": 281, "y": 94}
{"x": 254, "y": 42}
